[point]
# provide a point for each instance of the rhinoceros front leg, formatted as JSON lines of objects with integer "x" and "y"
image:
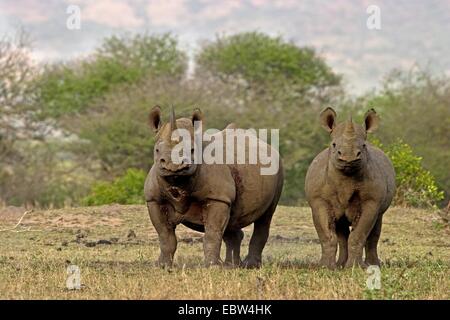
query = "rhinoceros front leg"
{"x": 323, "y": 218}
{"x": 216, "y": 216}
{"x": 360, "y": 233}
{"x": 372, "y": 243}
{"x": 166, "y": 233}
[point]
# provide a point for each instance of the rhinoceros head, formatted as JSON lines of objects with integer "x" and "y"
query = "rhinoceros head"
{"x": 165, "y": 141}
{"x": 348, "y": 150}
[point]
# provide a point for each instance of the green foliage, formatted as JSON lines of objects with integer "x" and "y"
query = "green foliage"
{"x": 69, "y": 88}
{"x": 127, "y": 189}
{"x": 259, "y": 58}
{"x": 416, "y": 186}
{"x": 119, "y": 138}
{"x": 416, "y": 107}
{"x": 141, "y": 54}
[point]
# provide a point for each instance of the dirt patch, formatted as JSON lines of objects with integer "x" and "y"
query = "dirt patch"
{"x": 11, "y": 213}
{"x": 72, "y": 220}
{"x": 111, "y": 216}
{"x": 282, "y": 239}
{"x": 191, "y": 240}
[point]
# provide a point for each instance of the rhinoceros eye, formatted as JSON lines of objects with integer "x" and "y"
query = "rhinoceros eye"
{"x": 157, "y": 150}
{"x": 334, "y": 145}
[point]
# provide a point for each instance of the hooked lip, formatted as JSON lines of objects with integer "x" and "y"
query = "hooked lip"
{"x": 349, "y": 165}
{"x": 351, "y": 162}
{"x": 177, "y": 172}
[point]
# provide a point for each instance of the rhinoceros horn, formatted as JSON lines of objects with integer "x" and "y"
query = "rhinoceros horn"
{"x": 173, "y": 120}
{"x": 349, "y": 131}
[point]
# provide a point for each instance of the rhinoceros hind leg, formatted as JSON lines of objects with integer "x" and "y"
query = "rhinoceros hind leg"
{"x": 259, "y": 238}
{"x": 233, "y": 239}
{"x": 342, "y": 231}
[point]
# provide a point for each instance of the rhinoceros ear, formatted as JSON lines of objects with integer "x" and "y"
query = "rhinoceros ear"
{"x": 155, "y": 118}
{"x": 328, "y": 119}
{"x": 371, "y": 121}
{"x": 197, "y": 115}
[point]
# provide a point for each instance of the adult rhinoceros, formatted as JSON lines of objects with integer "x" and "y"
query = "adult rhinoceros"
{"x": 217, "y": 199}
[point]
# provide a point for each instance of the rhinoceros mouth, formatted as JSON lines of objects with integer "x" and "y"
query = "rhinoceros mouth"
{"x": 350, "y": 168}
{"x": 186, "y": 171}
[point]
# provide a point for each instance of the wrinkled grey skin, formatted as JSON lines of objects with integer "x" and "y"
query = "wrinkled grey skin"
{"x": 217, "y": 199}
{"x": 349, "y": 184}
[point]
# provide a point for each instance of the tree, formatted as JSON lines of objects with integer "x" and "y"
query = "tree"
{"x": 16, "y": 90}
{"x": 69, "y": 88}
{"x": 16, "y": 72}
{"x": 260, "y": 59}
{"x": 30, "y": 170}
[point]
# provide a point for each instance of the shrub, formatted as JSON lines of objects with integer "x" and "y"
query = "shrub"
{"x": 416, "y": 186}
{"x": 127, "y": 189}
{"x": 415, "y": 106}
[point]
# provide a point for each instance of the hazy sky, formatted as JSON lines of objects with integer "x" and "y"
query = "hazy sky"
{"x": 412, "y": 31}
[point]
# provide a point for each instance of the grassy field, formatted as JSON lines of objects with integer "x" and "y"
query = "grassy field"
{"x": 116, "y": 246}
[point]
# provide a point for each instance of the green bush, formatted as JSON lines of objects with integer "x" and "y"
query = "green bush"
{"x": 127, "y": 189}
{"x": 416, "y": 186}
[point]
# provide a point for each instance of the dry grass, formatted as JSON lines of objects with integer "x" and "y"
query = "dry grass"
{"x": 414, "y": 247}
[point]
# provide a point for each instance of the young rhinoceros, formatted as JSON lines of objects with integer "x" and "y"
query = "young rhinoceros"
{"x": 351, "y": 183}
{"x": 217, "y": 199}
